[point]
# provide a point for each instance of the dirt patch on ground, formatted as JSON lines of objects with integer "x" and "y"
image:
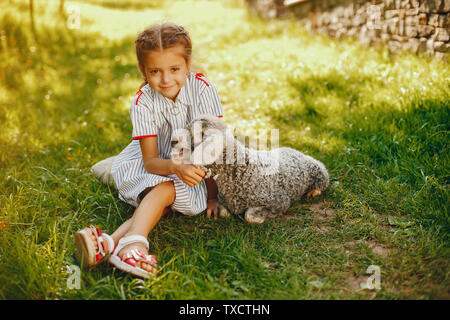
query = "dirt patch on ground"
{"x": 323, "y": 229}
{"x": 288, "y": 216}
{"x": 322, "y": 211}
{"x": 357, "y": 283}
{"x": 376, "y": 248}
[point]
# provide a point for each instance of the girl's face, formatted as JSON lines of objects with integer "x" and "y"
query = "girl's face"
{"x": 166, "y": 70}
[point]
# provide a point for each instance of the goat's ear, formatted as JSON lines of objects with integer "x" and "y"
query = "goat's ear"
{"x": 208, "y": 151}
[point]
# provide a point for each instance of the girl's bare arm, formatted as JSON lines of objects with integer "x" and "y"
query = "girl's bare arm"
{"x": 189, "y": 174}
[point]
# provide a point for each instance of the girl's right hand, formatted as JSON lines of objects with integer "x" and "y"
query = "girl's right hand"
{"x": 189, "y": 174}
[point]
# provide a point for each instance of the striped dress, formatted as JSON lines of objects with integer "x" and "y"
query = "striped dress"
{"x": 154, "y": 115}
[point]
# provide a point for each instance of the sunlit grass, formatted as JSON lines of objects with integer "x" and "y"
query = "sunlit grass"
{"x": 378, "y": 121}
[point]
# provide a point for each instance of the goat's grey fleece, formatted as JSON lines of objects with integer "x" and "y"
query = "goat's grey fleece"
{"x": 264, "y": 184}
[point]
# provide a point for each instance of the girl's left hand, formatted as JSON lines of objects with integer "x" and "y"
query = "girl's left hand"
{"x": 212, "y": 207}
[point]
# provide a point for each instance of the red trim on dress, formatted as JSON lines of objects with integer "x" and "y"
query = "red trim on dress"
{"x": 220, "y": 116}
{"x": 198, "y": 75}
{"x": 140, "y": 137}
{"x": 138, "y": 96}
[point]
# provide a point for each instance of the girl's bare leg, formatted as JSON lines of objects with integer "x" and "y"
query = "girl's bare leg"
{"x": 124, "y": 227}
{"x": 152, "y": 208}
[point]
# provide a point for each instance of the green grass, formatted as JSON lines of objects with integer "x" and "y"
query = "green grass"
{"x": 379, "y": 122}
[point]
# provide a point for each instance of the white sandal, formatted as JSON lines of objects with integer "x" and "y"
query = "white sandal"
{"x": 128, "y": 262}
{"x": 85, "y": 251}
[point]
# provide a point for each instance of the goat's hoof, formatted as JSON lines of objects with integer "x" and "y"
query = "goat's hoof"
{"x": 253, "y": 215}
{"x": 314, "y": 193}
{"x": 223, "y": 212}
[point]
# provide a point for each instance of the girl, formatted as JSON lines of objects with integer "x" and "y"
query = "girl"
{"x": 144, "y": 174}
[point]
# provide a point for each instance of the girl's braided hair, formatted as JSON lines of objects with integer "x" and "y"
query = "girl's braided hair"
{"x": 160, "y": 37}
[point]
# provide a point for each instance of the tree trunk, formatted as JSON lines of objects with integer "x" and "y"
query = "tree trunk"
{"x": 61, "y": 6}
{"x": 33, "y": 26}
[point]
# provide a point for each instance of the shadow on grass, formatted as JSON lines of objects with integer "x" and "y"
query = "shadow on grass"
{"x": 395, "y": 158}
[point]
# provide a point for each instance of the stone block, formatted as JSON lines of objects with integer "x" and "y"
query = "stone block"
{"x": 406, "y": 46}
{"x": 335, "y": 26}
{"x": 443, "y": 20}
{"x": 412, "y": 12}
{"x": 373, "y": 33}
{"x": 334, "y": 19}
{"x": 302, "y": 10}
{"x": 389, "y": 14}
{"x": 392, "y": 26}
{"x": 346, "y": 22}
{"x": 361, "y": 11}
{"x": 411, "y": 31}
{"x": 326, "y": 19}
{"x": 402, "y": 13}
{"x": 414, "y": 3}
{"x": 430, "y": 46}
{"x": 405, "y": 4}
{"x": 385, "y": 36}
{"x": 331, "y": 33}
{"x": 389, "y": 4}
{"x": 435, "y": 6}
{"x": 425, "y": 31}
{"x": 433, "y": 20}
{"x": 398, "y": 38}
{"x": 352, "y": 32}
{"x": 424, "y": 7}
{"x": 412, "y": 20}
{"x": 441, "y": 34}
{"x": 341, "y": 33}
{"x": 413, "y": 45}
{"x": 423, "y": 19}
{"x": 423, "y": 44}
{"x": 445, "y": 6}
{"x": 358, "y": 20}
{"x": 348, "y": 12}
{"x": 393, "y": 45}
{"x": 442, "y": 56}
{"x": 441, "y": 46}
{"x": 339, "y": 12}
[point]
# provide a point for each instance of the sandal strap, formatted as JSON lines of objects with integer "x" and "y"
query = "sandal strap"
{"x": 135, "y": 255}
{"x": 97, "y": 233}
{"x": 100, "y": 237}
{"x": 109, "y": 240}
{"x": 123, "y": 242}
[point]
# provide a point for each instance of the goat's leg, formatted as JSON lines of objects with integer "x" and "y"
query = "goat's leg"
{"x": 314, "y": 193}
{"x": 256, "y": 215}
{"x": 223, "y": 212}
{"x": 278, "y": 203}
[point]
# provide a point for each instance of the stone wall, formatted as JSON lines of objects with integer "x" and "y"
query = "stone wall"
{"x": 415, "y": 25}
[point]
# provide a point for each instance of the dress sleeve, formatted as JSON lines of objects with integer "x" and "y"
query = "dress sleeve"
{"x": 209, "y": 102}
{"x": 143, "y": 118}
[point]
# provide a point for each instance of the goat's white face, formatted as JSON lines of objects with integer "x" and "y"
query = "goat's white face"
{"x": 201, "y": 143}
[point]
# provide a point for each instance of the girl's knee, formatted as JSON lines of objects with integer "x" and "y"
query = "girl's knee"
{"x": 167, "y": 188}
{"x": 164, "y": 191}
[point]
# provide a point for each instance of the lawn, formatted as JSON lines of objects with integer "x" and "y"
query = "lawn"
{"x": 378, "y": 121}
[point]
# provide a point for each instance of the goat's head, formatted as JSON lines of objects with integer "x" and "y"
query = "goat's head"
{"x": 201, "y": 142}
